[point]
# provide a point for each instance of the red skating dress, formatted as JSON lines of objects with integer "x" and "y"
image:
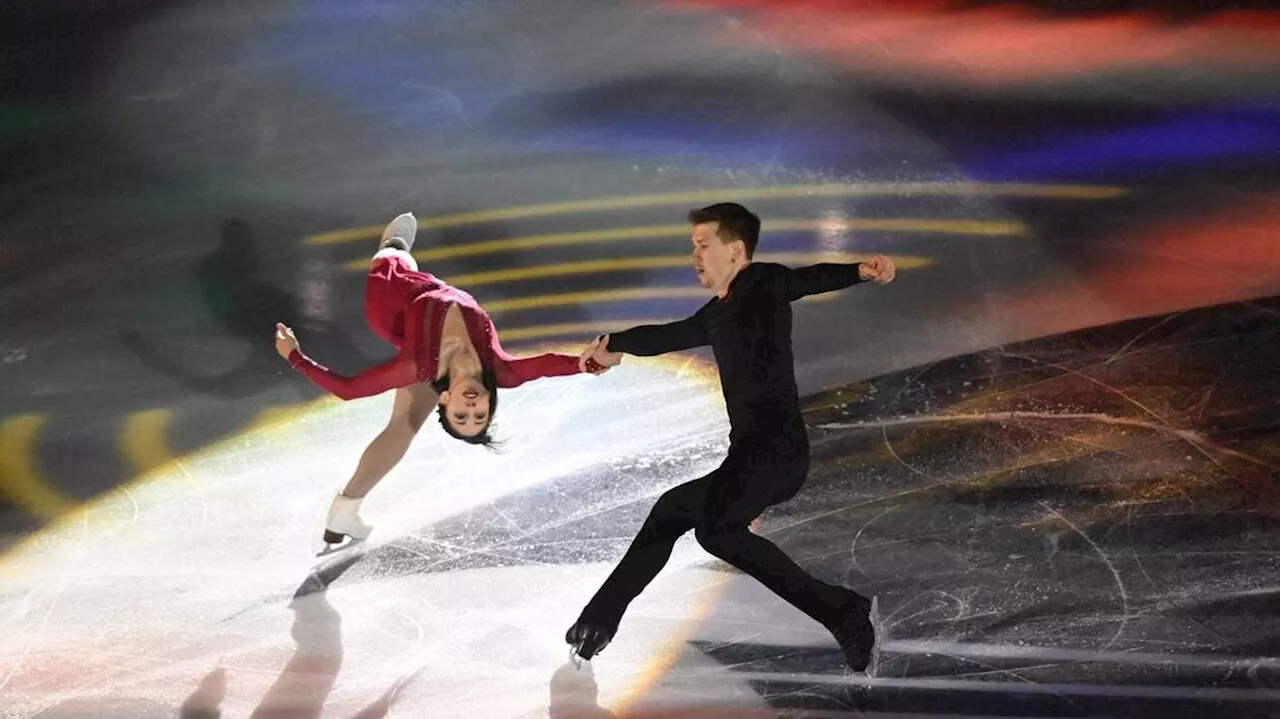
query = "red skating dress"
{"x": 407, "y": 308}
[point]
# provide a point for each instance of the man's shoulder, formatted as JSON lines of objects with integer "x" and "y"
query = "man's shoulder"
{"x": 751, "y": 278}
{"x": 760, "y": 272}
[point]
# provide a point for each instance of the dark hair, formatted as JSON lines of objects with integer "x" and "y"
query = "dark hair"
{"x": 736, "y": 223}
{"x": 490, "y": 382}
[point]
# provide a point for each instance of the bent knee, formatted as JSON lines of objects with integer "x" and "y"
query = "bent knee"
{"x": 722, "y": 540}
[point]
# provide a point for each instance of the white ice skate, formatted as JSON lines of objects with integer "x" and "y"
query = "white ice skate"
{"x": 344, "y": 521}
{"x": 400, "y": 232}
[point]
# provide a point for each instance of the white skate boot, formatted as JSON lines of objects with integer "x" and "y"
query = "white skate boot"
{"x": 344, "y": 520}
{"x": 400, "y": 233}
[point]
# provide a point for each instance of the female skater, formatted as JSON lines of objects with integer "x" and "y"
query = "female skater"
{"x": 448, "y": 355}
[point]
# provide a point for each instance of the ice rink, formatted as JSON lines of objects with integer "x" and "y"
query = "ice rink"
{"x": 1049, "y": 448}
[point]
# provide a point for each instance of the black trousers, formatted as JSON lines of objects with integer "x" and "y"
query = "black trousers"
{"x": 756, "y": 474}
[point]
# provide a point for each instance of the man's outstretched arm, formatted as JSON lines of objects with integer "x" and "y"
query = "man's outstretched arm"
{"x": 606, "y": 351}
{"x": 788, "y": 284}
{"x": 650, "y": 340}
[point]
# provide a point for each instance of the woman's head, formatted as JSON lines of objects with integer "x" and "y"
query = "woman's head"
{"x": 467, "y": 406}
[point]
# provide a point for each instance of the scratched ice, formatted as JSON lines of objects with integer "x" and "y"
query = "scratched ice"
{"x": 198, "y": 587}
{"x": 1084, "y": 512}
{"x": 1047, "y": 526}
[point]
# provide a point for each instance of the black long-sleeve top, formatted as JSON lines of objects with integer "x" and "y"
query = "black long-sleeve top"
{"x": 750, "y": 334}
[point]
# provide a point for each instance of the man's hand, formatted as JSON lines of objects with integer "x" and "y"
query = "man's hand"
{"x": 878, "y": 269}
{"x": 588, "y": 352}
{"x": 285, "y": 341}
{"x": 596, "y": 350}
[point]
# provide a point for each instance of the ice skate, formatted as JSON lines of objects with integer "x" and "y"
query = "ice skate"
{"x": 586, "y": 641}
{"x": 344, "y": 521}
{"x": 400, "y": 233}
{"x": 855, "y": 632}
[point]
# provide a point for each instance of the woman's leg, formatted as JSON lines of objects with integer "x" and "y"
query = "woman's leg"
{"x": 412, "y": 406}
{"x": 410, "y": 409}
{"x": 395, "y": 252}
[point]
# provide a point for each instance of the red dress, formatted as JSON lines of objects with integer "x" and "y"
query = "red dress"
{"x": 400, "y": 302}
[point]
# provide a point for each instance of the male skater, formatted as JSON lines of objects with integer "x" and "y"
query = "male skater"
{"x": 748, "y": 325}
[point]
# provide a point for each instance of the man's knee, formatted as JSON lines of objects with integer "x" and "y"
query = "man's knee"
{"x": 669, "y": 518}
{"x": 722, "y": 540}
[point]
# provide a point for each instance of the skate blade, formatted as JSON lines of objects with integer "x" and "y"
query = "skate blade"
{"x": 330, "y": 549}
{"x": 873, "y": 667}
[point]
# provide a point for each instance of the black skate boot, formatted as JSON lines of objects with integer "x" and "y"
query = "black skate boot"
{"x": 855, "y": 631}
{"x": 586, "y": 640}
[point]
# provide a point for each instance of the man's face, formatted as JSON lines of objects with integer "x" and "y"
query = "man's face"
{"x": 713, "y": 260}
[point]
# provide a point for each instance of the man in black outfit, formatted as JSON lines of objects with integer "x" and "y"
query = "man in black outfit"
{"x": 748, "y": 325}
